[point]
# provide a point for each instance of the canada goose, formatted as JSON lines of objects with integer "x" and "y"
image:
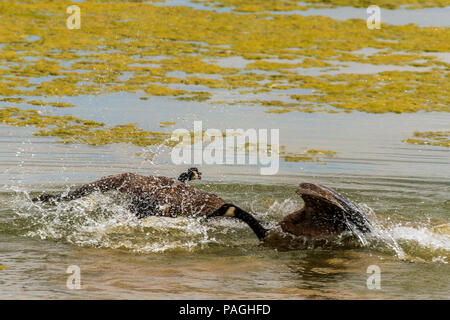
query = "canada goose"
{"x": 326, "y": 213}
{"x": 151, "y": 195}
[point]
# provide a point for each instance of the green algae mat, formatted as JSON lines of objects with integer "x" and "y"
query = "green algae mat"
{"x": 137, "y": 47}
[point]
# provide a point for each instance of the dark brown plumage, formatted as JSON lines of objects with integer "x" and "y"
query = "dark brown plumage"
{"x": 151, "y": 195}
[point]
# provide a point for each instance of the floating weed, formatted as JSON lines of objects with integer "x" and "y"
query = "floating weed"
{"x": 12, "y": 100}
{"x": 432, "y": 138}
{"x": 269, "y": 66}
{"x": 390, "y": 91}
{"x": 69, "y": 129}
{"x": 61, "y": 105}
{"x": 37, "y": 103}
{"x": 197, "y": 96}
{"x": 138, "y": 53}
{"x": 156, "y": 90}
{"x": 310, "y": 155}
{"x": 167, "y": 123}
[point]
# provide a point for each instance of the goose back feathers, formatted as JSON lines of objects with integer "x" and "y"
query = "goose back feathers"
{"x": 151, "y": 195}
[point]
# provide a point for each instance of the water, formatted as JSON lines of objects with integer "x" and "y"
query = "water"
{"x": 403, "y": 188}
{"x": 426, "y": 17}
{"x": 120, "y": 256}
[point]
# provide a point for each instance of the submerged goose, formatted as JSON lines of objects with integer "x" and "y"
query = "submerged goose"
{"x": 326, "y": 214}
{"x": 151, "y": 195}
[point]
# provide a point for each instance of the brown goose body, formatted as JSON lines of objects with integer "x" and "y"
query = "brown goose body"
{"x": 171, "y": 196}
{"x": 152, "y": 195}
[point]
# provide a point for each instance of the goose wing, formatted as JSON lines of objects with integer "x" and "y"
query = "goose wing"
{"x": 325, "y": 212}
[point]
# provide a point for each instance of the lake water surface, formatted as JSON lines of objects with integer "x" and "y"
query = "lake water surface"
{"x": 404, "y": 188}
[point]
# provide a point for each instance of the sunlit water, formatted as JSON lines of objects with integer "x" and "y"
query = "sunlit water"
{"x": 403, "y": 188}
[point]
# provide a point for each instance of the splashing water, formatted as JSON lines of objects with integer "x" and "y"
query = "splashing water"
{"x": 104, "y": 221}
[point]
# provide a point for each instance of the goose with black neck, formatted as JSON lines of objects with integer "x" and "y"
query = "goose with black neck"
{"x": 325, "y": 215}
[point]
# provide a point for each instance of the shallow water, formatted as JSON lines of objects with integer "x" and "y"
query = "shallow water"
{"x": 120, "y": 256}
{"x": 426, "y": 17}
{"x": 403, "y": 188}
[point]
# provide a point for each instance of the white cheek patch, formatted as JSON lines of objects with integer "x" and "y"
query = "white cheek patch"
{"x": 230, "y": 212}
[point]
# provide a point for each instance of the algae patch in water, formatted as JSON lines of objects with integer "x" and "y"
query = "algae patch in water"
{"x": 69, "y": 129}
{"x": 155, "y": 51}
{"x": 310, "y": 155}
{"x": 431, "y": 138}
{"x": 167, "y": 123}
{"x": 390, "y": 91}
{"x": 53, "y": 104}
{"x": 138, "y": 47}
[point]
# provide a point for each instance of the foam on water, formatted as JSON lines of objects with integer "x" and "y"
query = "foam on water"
{"x": 105, "y": 221}
{"x": 423, "y": 242}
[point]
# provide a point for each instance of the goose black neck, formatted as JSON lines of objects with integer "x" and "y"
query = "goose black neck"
{"x": 254, "y": 224}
